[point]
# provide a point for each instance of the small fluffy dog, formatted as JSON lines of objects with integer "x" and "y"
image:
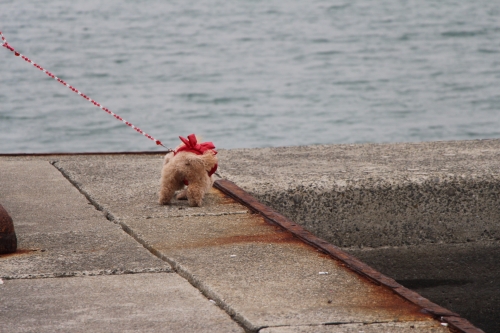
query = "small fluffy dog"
{"x": 192, "y": 164}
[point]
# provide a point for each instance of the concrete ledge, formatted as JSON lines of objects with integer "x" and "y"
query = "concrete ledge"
{"x": 374, "y": 195}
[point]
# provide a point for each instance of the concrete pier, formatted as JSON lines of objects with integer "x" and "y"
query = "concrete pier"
{"x": 426, "y": 214}
{"x": 96, "y": 252}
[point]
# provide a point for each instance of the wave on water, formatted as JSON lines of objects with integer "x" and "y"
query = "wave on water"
{"x": 249, "y": 74}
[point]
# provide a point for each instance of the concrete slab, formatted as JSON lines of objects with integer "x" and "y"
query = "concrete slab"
{"x": 406, "y": 327}
{"x": 129, "y": 188}
{"x": 40, "y": 199}
{"x": 72, "y": 254}
{"x": 59, "y": 233}
{"x": 263, "y": 276}
{"x": 128, "y": 303}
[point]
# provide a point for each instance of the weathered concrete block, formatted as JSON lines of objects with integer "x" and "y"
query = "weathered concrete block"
{"x": 374, "y": 195}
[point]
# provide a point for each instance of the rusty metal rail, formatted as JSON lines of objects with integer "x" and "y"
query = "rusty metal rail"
{"x": 444, "y": 315}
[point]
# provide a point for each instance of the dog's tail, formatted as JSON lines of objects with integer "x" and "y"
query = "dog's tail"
{"x": 208, "y": 160}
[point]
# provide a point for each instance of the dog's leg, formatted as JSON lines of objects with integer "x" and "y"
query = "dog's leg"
{"x": 166, "y": 195}
{"x": 168, "y": 187}
{"x": 197, "y": 190}
{"x": 195, "y": 194}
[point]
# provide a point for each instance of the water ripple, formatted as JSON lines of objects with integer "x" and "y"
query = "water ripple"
{"x": 249, "y": 74}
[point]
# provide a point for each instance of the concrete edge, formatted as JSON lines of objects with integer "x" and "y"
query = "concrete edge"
{"x": 444, "y": 315}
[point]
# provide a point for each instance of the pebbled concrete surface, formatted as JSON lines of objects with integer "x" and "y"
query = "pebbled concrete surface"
{"x": 265, "y": 277}
{"x": 59, "y": 233}
{"x": 128, "y": 187}
{"x": 128, "y": 303}
{"x": 111, "y": 282}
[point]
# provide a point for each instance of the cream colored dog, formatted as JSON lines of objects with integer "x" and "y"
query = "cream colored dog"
{"x": 192, "y": 164}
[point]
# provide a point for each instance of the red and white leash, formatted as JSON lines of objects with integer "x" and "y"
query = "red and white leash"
{"x": 9, "y": 47}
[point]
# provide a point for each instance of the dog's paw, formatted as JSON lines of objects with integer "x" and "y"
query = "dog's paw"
{"x": 195, "y": 203}
{"x": 164, "y": 200}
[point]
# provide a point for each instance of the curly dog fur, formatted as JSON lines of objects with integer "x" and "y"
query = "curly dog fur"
{"x": 190, "y": 167}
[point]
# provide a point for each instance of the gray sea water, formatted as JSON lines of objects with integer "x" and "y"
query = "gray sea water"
{"x": 248, "y": 73}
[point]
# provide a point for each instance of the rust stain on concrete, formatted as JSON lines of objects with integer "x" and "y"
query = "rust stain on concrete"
{"x": 222, "y": 199}
{"x": 274, "y": 237}
{"x": 19, "y": 253}
{"x": 229, "y": 230}
{"x": 379, "y": 299}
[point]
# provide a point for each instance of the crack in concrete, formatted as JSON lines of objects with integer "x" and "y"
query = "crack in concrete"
{"x": 86, "y": 273}
{"x": 340, "y": 324}
{"x": 197, "y": 215}
{"x": 327, "y": 324}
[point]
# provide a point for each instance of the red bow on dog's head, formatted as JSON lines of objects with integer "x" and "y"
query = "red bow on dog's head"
{"x": 191, "y": 145}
